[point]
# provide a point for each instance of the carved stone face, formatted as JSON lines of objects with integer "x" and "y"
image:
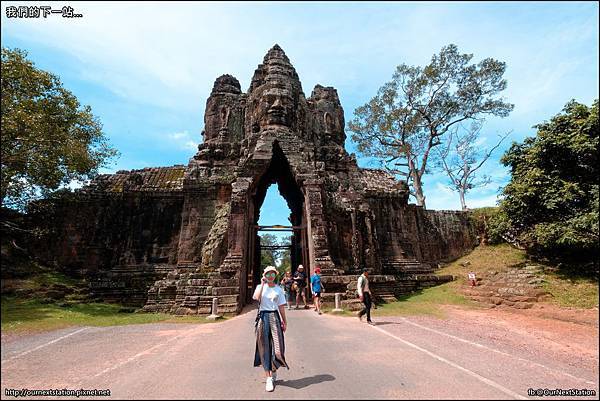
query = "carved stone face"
{"x": 275, "y": 106}
{"x": 213, "y": 117}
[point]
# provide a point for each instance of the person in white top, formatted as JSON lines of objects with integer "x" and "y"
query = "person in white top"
{"x": 365, "y": 295}
{"x": 271, "y": 323}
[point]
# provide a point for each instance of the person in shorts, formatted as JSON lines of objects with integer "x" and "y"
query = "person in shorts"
{"x": 300, "y": 281}
{"x": 316, "y": 287}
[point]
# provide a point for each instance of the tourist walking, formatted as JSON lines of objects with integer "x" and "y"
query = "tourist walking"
{"x": 316, "y": 288}
{"x": 286, "y": 283}
{"x": 365, "y": 295}
{"x": 300, "y": 280}
{"x": 271, "y": 323}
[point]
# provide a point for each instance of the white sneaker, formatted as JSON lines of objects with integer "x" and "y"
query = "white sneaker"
{"x": 270, "y": 386}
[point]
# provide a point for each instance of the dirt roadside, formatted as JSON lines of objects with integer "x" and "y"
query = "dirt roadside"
{"x": 570, "y": 334}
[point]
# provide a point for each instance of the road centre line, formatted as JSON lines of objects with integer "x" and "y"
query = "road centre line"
{"x": 470, "y": 373}
{"x": 495, "y": 350}
{"x": 44, "y": 345}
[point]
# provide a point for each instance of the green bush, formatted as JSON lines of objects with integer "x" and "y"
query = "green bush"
{"x": 551, "y": 203}
{"x": 491, "y": 224}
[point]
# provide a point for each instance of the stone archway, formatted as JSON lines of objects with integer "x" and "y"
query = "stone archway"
{"x": 277, "y": 172}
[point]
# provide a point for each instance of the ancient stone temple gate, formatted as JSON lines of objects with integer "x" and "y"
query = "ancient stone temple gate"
{"x": 173, "y": 238}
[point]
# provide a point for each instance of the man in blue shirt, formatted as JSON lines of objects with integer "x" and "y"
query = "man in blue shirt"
{"x": 316, "y": 287}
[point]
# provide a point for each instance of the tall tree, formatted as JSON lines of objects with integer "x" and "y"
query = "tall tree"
{"x": 268, "y": 257}
{"x": 462, "y": 156}
{"x": 285, "y": 257}
{"x": 411, "y": 114}
{"x": 551, "y": 202}
{"x": 48, "y": 139}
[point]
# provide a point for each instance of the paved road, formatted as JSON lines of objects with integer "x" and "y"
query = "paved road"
{"x": 330, "y": 357}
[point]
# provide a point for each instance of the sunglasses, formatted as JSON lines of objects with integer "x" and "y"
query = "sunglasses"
{"x": 270, "y": 274}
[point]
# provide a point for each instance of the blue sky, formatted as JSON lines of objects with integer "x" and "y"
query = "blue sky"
{"x": 146, "y": 69}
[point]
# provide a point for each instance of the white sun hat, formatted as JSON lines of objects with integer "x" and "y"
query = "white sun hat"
{"x": 270, "y": 268}
{"x": 300, "y": 267}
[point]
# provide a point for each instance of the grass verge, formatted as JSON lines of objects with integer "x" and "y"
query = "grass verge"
{"x": 574, "y": 292}
{"x": 567, "y": 288}
{"x": 483, "y": 260}
{"x": 425, "y": 302}
{"x": 20, "y": 316}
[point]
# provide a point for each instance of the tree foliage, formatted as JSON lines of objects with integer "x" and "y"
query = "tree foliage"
{"x": 552, "y": 199}
{"x": 413, "y": 112}
{"x": 268, "y": 257}
{"x": 280, "y": 258}
{"x": 48, "y": 139}
{"x": 492, "y": 226}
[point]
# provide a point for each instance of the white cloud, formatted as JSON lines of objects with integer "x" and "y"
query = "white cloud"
{"x": 182, "y": 140}
{"x": 442, "y": 198}
{"x": 474, "y": 202}
{"x": 155, "y": 53}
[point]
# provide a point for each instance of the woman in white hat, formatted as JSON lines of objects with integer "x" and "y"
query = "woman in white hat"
{"x": 270, "y": 326}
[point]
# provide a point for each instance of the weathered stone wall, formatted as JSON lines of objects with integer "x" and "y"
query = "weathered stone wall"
{"x": 410, "y": 232}
{"x": 121, "y": 232}
{"x": 92, "y": 233}
{"x": 389, "y": 234}
{"x": 457, "y": 235}
{"x": 202, "y": 205}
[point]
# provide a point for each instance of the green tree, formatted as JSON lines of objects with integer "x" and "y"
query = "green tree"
{"x": 268, "y": 257}
{"x": 285, "y": 257}
{"x": 412, "y": 113}
{"x": 551, "y": 202}
{"x": 48, "y": 139}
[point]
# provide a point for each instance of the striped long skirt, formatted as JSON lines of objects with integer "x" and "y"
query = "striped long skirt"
{"x": 270, "y": 345}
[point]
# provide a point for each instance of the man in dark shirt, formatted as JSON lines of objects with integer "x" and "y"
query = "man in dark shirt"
{"x": 300, "y": 280}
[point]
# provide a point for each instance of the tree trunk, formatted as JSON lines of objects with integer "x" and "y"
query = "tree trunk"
{"x": 461, "y": 193}
{"x": 418, "y": 187}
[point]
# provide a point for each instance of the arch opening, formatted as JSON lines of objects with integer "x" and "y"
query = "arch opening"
{"x": 280, "y": 173}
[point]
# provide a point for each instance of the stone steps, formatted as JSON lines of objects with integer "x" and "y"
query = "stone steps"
{"x": 411, "y": 266}
{"x": 352, "y": 304}
{"x": 331, "y": 272}
{"x": 192, "y": 293}
{"x": 517, "y": 287}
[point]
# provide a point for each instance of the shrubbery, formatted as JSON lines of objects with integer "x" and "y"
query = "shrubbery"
{"x": 492, "y": 225}
{"x": 551, "y": 204}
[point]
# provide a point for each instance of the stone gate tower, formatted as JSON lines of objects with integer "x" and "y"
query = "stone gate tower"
{"x": 173, "y": 238}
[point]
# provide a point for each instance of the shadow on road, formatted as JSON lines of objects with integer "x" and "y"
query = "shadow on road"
{"x": 383, "y": 323}
{"x": 305, "y": 382}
